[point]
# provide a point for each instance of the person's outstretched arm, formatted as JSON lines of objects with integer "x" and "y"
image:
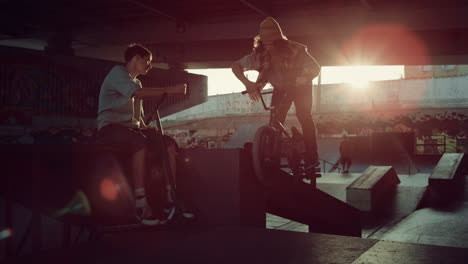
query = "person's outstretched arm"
{"x": 149, "y": 92}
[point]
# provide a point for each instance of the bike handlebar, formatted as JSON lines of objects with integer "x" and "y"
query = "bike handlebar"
{"x": 245, "y": 92}
{"x": 156, "y": 113}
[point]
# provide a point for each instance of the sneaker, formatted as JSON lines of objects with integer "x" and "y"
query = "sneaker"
{"x": 312, "y": 164}
{"x": 169, "y": 213}
{"x": 312, "y": 170}
{"x": 144, "y": 213}
{"x": 152, "y": 221}
{"x": 187, "y": 214}
{"x": 146, "y": 217}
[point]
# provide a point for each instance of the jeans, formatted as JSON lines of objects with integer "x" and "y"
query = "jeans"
{"x": 282, "y": 100}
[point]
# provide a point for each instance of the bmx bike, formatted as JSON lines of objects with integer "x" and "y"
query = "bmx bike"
{"x": 273, "y": 148}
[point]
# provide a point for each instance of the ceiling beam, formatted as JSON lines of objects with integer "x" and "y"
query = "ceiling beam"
{"x": 377, "y": 48}
{"x": 153, "y": 10}
{"x": 256, "y": 8}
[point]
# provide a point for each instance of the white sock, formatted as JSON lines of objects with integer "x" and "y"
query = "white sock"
{"x": 140, "y": 198}
{"x": 141, "y": 202}
{"x": 169, "y": 194}
{"x": 139, "y": 192}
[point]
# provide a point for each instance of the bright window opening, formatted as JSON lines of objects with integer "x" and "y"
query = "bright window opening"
{"x": 223, "y": 81}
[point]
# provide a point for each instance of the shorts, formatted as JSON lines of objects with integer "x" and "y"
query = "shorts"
{"x": 132, "y": 139}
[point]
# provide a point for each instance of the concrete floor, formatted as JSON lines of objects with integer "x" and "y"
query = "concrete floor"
{"x": 400, "y": 234}
{"x": 246, "y": 245}
{"x": 403, "y": 222}
{"x": 445, "y": 225}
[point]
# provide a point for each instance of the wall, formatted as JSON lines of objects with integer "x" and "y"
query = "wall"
{"x": 221, "y": 105}
{"x": 434, "y": 109}
{"x": 396, "y": 94}
{"x": 446, "y": 127}
{"x": 436, "y": 71}
{"x": 43, "y": 92}
{"x": 402, "y": 95}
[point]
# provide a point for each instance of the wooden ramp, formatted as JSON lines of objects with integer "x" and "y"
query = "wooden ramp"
{"x": 367, "y": 191}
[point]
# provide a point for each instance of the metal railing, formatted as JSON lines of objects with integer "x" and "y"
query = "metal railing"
{"x": 432, "y": 147}
{"x": 334, "y": 166}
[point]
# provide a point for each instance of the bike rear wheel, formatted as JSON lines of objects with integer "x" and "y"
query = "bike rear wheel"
{"x": 266, "y": 153}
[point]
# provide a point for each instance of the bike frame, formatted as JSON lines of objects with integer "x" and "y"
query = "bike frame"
{"x": 274, "y": 123}
{"x": 166, "y": 164}
{"x": 278, "y": 127}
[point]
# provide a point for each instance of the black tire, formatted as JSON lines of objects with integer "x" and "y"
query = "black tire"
{"x": 105, "y": 184}
{"x": 265, "y": 153}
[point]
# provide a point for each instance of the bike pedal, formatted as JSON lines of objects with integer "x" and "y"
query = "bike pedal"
{"x": 312, "y": 169}
{"x": 311, "y": 175}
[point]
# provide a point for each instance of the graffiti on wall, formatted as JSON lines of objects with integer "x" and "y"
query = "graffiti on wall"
{"x": 242, "y": 104}
{"x": 435, "y": 131}
{"x": 28, "y": 90}
{"x": 200, "y": 138}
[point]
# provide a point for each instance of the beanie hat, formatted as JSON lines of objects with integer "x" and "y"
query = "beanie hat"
{"x": 270, "y": 30}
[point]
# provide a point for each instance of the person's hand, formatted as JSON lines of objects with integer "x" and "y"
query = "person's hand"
{"x": 252, "y": 89}
{"x": 180, "y": 88}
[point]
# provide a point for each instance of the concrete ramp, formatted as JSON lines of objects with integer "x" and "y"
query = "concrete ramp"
{"x": 302, "y": 203}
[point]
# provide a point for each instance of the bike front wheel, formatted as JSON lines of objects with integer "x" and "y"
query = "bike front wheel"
{"x": 266, "y": 153}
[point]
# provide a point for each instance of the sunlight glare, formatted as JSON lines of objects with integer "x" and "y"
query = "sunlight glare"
{"x": 359, "y": 84}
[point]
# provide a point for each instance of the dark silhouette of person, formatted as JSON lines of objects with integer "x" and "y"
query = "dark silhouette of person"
{"x": 345, "y": 154}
